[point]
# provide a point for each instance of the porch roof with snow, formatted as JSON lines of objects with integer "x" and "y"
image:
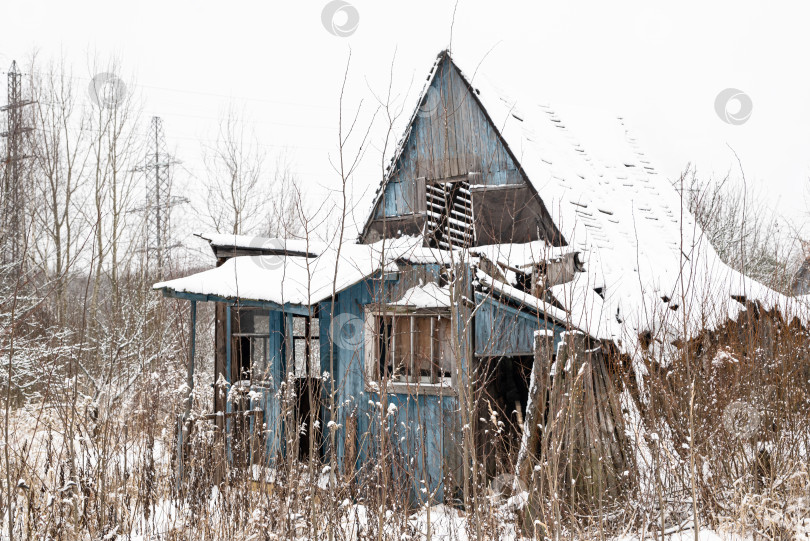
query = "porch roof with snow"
{"x": 290, "y": 280}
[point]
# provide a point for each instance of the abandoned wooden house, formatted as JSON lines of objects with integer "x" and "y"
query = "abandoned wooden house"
{"x": 500, "y": 251}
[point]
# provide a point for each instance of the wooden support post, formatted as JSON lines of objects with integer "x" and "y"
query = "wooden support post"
{"x": 190, "y": 377}
{"x": 536, "y": 406}
{"x": 434, "y": 362}
{"x": 412, "y": 367}
{"x": 393, "y": 353}
{"x": 183, "y": 422}
{"x": 229, "y": 379}
{"x": 219, "y": 362}
{"x": 228, "y": 347}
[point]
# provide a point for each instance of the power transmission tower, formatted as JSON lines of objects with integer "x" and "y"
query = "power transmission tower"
{"x": 13, "y": 219}
{"x": 159, "y": 200}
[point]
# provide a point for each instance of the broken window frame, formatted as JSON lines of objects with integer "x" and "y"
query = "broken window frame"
{"x": 437, "y": 381}
{"x": 449, "y": 211}
{"x": 238, "y": 312}
{"x": 311, "y": 342}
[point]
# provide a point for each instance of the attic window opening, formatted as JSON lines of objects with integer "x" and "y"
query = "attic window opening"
{"x": 449, "y": 214}
{"x": 409, "y": 348}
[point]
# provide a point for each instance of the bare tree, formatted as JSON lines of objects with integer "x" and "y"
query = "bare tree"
{"x": 60, "y": 155}
{"x": 234, "y": 192}
{"x": 287, "y": 212}
{"x": 114, "y": 147}
{"x": 746, "y": 234}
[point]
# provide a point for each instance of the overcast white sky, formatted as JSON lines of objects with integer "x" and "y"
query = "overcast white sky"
{"x": 658, "y": 65}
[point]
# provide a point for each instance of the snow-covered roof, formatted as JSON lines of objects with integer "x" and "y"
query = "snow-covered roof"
{"x": 429, "y": 295}
{"x": 521, "y": 256}
{"x": 648, "y": 266}
{"x": 643, "y": 251}
{"x": 299, "y": 280}
{"x": 225, "y": 241}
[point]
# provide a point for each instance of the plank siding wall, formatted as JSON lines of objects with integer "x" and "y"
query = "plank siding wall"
{"x": 450, "y": 139}
{"x": 417, "y": 420}
{"x": 502, "y": 330}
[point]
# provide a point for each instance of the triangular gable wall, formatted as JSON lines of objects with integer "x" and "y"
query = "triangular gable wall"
{"x": 452, "y": 138}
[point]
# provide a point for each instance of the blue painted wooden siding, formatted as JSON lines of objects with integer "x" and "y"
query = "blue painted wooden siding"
{"x": 271, "y": 400}
{"x": 424, "y": 429}
{"x": 451, "y": 139}
{"x": 417, "y": 423}
{"x": 505, "y": 331}
{"x": 343, "y": 359}
{"x": 413, "y": 420}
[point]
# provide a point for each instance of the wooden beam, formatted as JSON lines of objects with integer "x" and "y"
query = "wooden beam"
{"x": 297, "y": 309}
{"x": 229, "y": 378}
{"x": 192, "y": 343}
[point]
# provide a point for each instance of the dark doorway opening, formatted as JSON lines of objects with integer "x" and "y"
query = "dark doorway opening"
{"x": 501, "y": 399}
{"x": 306, "y": 356}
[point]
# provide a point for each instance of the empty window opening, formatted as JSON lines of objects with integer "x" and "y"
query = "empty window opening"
{"x": 501, "y": 405}
{"x": 250, "y": 330}
{"x": 449, "y": 214}
{"x": 411, "y": 349}
{"x": 250, "y": 366}
{"x": 306, "y": 365}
